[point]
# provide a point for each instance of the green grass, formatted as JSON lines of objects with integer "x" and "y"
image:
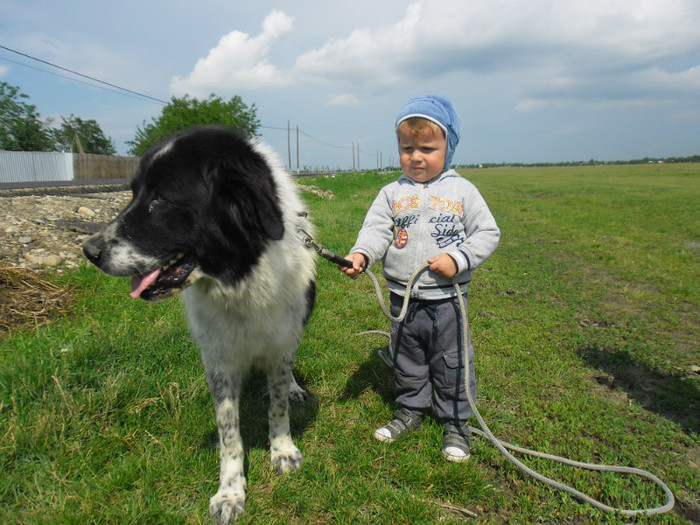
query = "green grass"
{"x": 584, "y": 322}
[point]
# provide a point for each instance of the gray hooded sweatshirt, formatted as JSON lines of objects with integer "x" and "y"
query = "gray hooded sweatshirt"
{"x": 410, "y": 222}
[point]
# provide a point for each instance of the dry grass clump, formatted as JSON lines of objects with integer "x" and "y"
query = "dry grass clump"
{"x": 26, "y": 299}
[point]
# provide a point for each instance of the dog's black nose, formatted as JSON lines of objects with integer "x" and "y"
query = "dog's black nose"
{"x": 92, "y": 248}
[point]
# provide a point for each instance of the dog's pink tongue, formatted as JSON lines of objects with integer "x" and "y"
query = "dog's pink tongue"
{"x": 139, "y": 284}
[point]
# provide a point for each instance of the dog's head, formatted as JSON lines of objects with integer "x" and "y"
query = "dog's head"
{"x": 204, "y": 202}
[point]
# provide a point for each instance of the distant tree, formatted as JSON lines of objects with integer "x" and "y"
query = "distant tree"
{"x": 182, "y": 113}
{"x": 88, "y": 132}
{"x": 21, "y": 127}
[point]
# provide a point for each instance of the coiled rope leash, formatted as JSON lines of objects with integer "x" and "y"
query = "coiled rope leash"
{"x": 503, "y": 445}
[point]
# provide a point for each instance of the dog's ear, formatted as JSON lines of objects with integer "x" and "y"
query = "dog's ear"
{"x": 248, "y": 201}
{"x": 255, "y": 209}
{"x": 272, "y": 220}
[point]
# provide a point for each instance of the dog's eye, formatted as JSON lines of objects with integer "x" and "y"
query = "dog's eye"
{"x": 157, "y": 200}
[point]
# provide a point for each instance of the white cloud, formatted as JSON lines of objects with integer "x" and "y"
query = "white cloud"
{"x": 688, "y": 80}
{"x": 560, "y": 46}
{"x": 531, "y": 104}
{"x": 239, "y": 61}
{"x": 549, "y": 51}
{"x": 627, "y": 72}
{"x": 342, "y": 99}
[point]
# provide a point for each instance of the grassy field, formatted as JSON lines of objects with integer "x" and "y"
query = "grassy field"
{"x": 585, "y": 324}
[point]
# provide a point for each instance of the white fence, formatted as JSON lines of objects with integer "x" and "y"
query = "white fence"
{"x": 26, "y": 166}
{"x": 33, "y": 166}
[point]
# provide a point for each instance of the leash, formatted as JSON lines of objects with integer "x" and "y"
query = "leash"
{"x": 503, "y": 446}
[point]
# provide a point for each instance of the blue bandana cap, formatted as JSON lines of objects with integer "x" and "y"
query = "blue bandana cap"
{"x": 439, "y": 110}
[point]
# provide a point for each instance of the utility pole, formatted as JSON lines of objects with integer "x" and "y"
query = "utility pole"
{"x": 353, "y": 156}
{"x": 297, "y": 148}
{"x": 289, "y": 148}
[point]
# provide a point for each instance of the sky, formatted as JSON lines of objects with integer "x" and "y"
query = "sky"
{"x": 532, "y": 80}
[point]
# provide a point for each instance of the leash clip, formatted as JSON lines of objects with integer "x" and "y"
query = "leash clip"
{"x": 309, "y": 242}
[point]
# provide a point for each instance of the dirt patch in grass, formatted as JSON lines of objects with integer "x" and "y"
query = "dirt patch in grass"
{"x": 618, "y": 375}
{"x": 27, "y": 299}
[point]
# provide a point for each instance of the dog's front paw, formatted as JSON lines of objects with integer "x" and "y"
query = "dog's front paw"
{"x": 297, "y": 394}
{"x": 226, "y": 506}
{"x": 287, "y": 460}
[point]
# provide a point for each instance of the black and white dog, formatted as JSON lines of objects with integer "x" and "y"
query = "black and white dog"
{"x": 215, "y": 216}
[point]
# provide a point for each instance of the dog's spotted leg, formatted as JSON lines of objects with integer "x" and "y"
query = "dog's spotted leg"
{"x": 229, "y": 501}
{"x": 285, "y": 455}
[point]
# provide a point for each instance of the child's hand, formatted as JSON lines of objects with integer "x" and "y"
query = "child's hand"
{"x": 443, "y": 265}
{"x": 359, "y": 262}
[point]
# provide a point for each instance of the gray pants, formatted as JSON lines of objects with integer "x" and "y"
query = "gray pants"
{"x": 428, "y": 358}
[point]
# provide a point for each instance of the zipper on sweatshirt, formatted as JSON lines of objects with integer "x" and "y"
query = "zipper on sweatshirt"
{"x": 423, "y": 210}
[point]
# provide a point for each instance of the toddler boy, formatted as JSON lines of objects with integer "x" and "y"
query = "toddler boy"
{"x": 429, "y": 214}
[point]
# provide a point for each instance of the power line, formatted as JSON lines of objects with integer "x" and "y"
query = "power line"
{"x": 272, "y": 127}
{"x": 68, "y": 78}
{"x": 93, "y": 79}
{"x": 122, "y": 90}
{"x": 322, "y": 142}
{"x": 354, "y": 147}
{"x": 302, "y": 132}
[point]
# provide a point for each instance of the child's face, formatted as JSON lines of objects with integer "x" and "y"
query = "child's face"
{"x": 422, "y": 157}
